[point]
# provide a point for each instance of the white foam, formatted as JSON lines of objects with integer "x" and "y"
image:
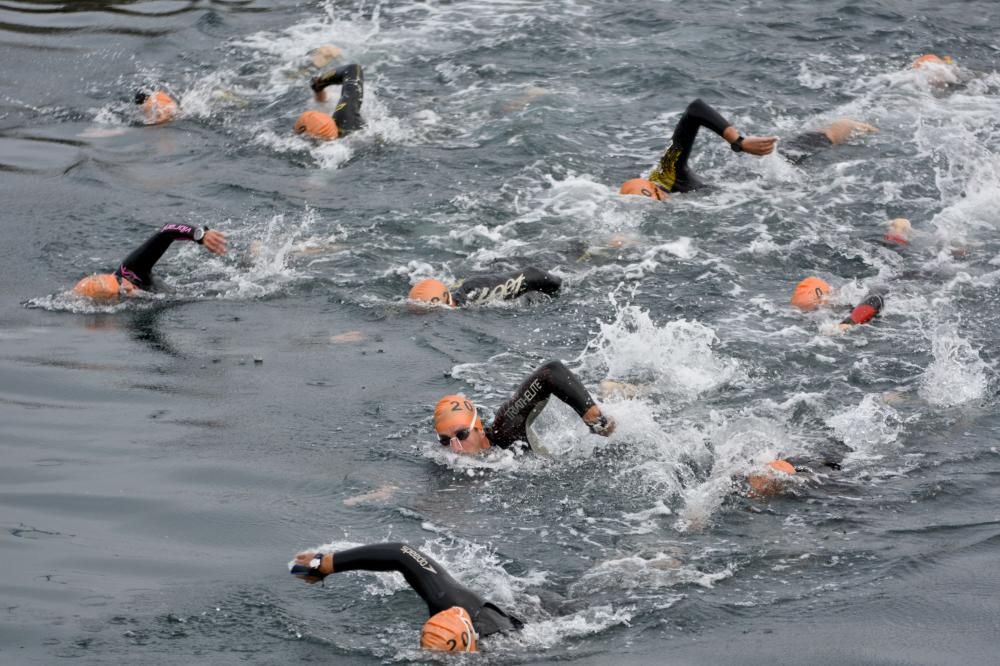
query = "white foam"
{"x": 957, "y": 375}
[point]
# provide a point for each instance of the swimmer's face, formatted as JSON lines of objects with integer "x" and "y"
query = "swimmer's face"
{"x": 462, "y": 439}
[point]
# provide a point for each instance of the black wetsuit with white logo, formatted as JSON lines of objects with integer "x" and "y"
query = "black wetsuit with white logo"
{"x": 351, "y": 80}
{"x": 428, "y": 579}
{"x": 505, "y": 286}
{"x": 516, "y": 414}
{"x": 137, "y": 267}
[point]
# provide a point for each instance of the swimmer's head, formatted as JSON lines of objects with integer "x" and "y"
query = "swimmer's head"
{"x": 898, "y": 231}
{"x": 458, "y": 425}
{"x": 449, "y": 631}
{"x": 810, "y": 293}
{"x": 102, "y": 286}
{"x": 318, "y": 125}
{"x": 772, "y": 480}
{"x": 932, "y": 59}
{"x": 431, "y": 291}
{"x": 643, "y": 188}
{"x": 322, "y": 56}
{"x": 158, "y": 106}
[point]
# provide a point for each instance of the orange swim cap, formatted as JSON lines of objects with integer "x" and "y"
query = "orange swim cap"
{"x": 928, "y": 58}
{"x": 431, "y": 291}
{"x": 449, "y": 631}
{"x": 318, "y": 125}
{"x": 770, "y": 482}
{"x": 99, "y": 285}
{"x": 643, "y": 187}
{"x": 159, "y": 107}
{"x": 810, "y": 293}
{"x": 455, "y": 410}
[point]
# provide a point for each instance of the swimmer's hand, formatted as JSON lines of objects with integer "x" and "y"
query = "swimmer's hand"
{"x": 759, "y": 145}
{"x": 319, "y": 91}
{"x": 598, "y": 423}
{"x": 214, "y": 241}
{"x": 312, "y": 567}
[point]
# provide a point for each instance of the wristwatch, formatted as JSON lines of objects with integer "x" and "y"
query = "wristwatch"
{"x": 737, "y": 145}
{"x": 199, "y": 234}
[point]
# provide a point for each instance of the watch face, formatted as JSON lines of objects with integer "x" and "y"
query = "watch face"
{"x": 199, "y": 234}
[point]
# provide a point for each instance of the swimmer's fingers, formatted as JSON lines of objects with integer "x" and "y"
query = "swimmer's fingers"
{"x": 214, "y": 241}
{"x": 305, "y": 567}
{"x": 759, "y": 145}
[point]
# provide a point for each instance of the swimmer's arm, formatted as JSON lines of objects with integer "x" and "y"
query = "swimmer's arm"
{"x": 335, "y": 77}
{"x": 708, "y": 117}
{"x": 421, "y": 574}
{"x": 553, "y": 378}
{"x": 141, "y": 261}
{"x": 536, "y": 279}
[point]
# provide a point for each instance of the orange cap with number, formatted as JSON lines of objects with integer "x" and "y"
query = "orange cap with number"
{"x": 317, "y": 124}
{"x": 644, "y": 188}
{"x": 455, "y": 410}
{"x": 449, "y": 631}
{"x": 810, "y": 293}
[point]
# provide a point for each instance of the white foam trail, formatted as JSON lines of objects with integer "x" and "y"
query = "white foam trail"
{"x": 868, "y": 429}
{"x": 957, "y": 375}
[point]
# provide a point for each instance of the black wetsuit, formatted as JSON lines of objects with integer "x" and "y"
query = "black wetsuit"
{"x": 515, "y": 415}
{"x": 672, "y": 173}
{"x": 352, "y": 91}
{"x": 428, "y": 579}
{"x": 505, "y": 286}
{"x": 137, "y": 267}
{"x": 804, "y": 146}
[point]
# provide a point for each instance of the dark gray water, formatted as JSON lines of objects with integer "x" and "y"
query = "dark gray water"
{"x": 155, "y": 479}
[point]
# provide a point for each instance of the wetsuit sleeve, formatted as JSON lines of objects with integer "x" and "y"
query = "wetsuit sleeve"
{"x": 672, "y": 172}
{"x": 865, "y": 311}
{"x": 428, "y": 579}
{"x": 351, "y": 79}
{"x": 506, "y": 286}
{"x": 137, "y": 267}
{"x": 513, "y": 417}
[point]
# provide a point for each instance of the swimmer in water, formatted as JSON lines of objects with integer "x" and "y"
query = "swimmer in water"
{"x": 346, "y": 117}
{"x": 486, "y": 288}
{"x": 898, "y": 233}
{"x": 672, "y": 173}
{"x": 136, "y": 271}
{"x": 812, "y": 293}
{"x": 157, "y": 106}
{"x": 459, "y": 427}
{"x": 459, "y": 617}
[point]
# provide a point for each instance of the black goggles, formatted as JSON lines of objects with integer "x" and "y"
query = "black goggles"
{"x": 460, "y": 435}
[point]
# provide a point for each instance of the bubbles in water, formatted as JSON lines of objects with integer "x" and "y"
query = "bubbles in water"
{"x": 957, "y": 374}
{"x": 868, "y": 428}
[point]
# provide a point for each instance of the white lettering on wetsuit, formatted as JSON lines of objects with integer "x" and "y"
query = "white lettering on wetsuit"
{"x": 528, "y": 396}
{"x": 420, "y": 559}
{"x": 508, "y": 289}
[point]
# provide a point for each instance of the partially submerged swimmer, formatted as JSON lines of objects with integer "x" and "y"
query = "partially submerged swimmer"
{"x": 459, "y": 427}
{"x": 486, "y": 288}
{"x": 459, "y": 616}
{"x": 812, "y": 293}
{"x": 346, "y": 117}
{"x": 672, "y": 173}
{"x": 136, "y": 271}
{"x": 158, "y": 106}
{"x": 806, "y": 145}
{"x": 898, "y": 232}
